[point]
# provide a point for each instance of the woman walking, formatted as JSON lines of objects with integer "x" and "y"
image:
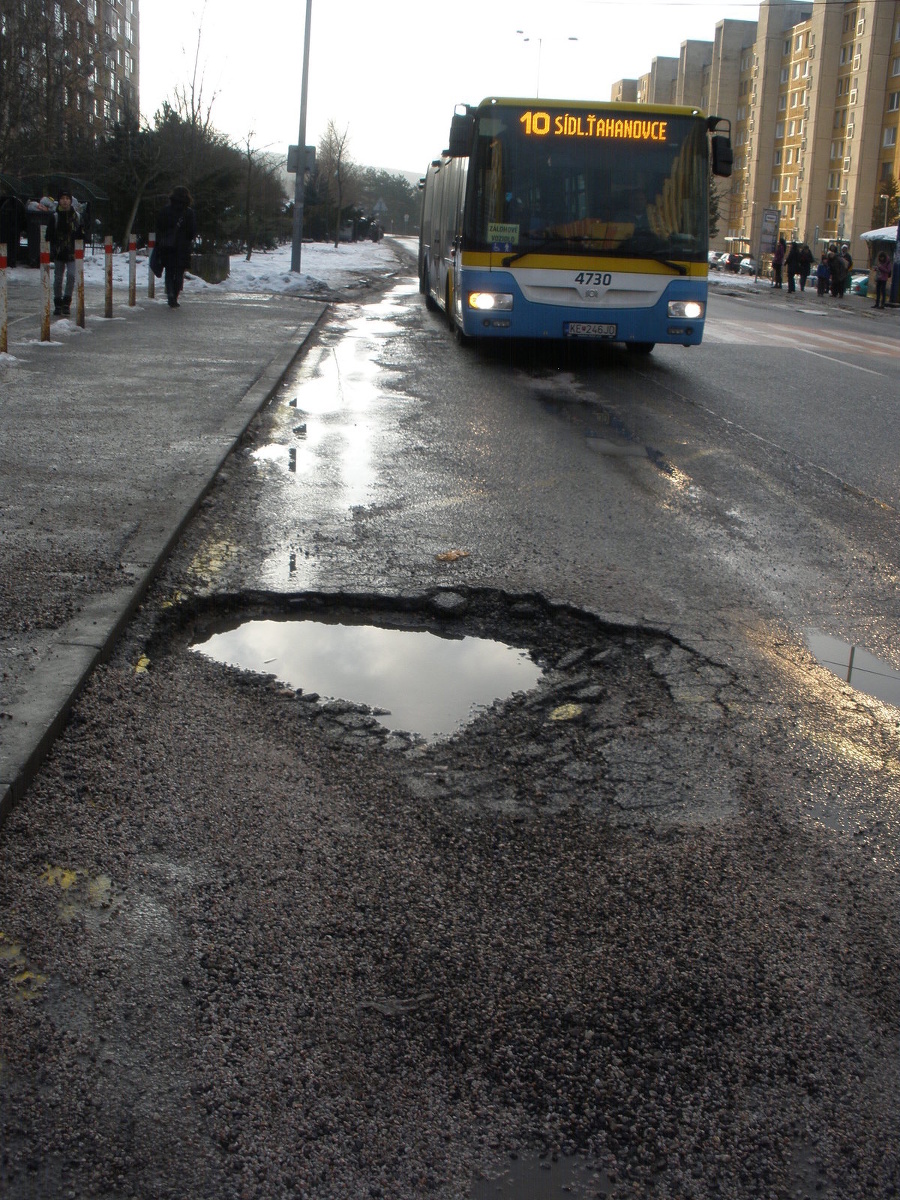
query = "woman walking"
{"x": 176, "y": 229}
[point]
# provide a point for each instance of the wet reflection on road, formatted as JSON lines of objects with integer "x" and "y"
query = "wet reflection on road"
{"x": 857, "y": 667}
{"x": 411, "y": 680}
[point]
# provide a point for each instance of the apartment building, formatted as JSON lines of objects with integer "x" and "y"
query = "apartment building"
{"x": 812, "y": 91}
{"x": 106, "y": 42}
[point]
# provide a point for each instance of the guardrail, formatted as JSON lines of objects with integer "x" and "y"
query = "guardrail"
{"x": 213, "y": 268}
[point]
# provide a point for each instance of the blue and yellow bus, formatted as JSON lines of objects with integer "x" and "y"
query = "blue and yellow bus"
{"x": 572, "y": 220}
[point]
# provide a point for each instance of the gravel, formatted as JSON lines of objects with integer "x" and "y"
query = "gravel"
{"x": 248, "y": 951}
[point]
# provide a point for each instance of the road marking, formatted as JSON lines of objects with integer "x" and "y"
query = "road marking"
{"x": 732, "y": 332}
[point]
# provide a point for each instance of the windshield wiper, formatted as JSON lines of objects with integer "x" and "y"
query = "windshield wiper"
{"x": 548, "y": 241}
{"x": 612, "y": 252}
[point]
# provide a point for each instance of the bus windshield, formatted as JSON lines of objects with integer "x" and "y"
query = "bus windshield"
{"x": 551, "y": 181}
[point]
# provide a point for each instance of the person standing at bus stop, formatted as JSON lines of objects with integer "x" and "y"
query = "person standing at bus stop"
{"x": 63, "y": 228}
{"x": 778, "y": 262}
{"x": 176, "y": 229}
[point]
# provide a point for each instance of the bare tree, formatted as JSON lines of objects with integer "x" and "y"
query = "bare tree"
{"x": 338, "y": 171}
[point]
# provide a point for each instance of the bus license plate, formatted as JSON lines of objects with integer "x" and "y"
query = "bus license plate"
{"x": 588, "y": 329}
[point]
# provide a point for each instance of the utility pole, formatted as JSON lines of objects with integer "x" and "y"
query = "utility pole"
{"x": 300, "y": 177}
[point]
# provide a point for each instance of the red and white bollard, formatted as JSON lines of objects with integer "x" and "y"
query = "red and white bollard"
{"x": 45, "y": 290}
{"x": 79, "y": 283}
{"x": 4, "y": 308}
{"x": 151, "y": 278}
{"x": 107, "y": 271}
{"x": 132, "y": 270}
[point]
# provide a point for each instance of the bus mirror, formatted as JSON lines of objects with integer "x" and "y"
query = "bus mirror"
{"x": 722, "y": 157}
{"x": 462, "y": 128}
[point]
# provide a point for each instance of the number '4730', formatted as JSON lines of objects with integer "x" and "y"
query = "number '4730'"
{"x": 603, "y": 279}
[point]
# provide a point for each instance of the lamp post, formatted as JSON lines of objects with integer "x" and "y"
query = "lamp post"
{"x": 300, "y": 177}
{"x": 886, "y": 200}
{"x": 540, "y": 41}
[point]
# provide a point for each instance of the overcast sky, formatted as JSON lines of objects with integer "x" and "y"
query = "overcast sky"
{"x": 392, "y": 71}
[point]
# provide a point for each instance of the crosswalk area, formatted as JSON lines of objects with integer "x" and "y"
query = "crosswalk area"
{"x": 837, "y": 344}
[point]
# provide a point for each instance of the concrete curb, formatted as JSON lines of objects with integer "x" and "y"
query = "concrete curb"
{"x": 88, "y": 640}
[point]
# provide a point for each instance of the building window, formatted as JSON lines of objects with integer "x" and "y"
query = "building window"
{"x": 786, "y": 48}
{"x": 777, "y": 158}
{"x": 895, "y": 66}
{"x": 782, "y": 103}
{"x": 890, "y": 136}
{"x": 776, "y": 185}
{"x": 886, "y": 170}
{"x": 784, "y": 74}
{"x": 779, "y": 130}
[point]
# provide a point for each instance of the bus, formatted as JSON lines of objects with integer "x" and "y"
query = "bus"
{"x": 551, "y": 219}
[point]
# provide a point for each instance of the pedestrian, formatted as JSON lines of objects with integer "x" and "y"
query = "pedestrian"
{"x": 837, "y": 267}
{"x": 62, "y": 230}
{"x": 792, "y": 266}
{"x": 12, "y": 222}
{"x": 823, "y": 276}
{"x": 806, "y": 262}
{"x": 848, "y": 261}
{"x": 884, "y": 269}
{"x": 176, "y": 229}
{"x": 777, "y": 262}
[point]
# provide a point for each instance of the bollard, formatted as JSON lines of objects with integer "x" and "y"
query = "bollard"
{"x": 45, "y": 290}
{"x": 107, "y": 271}
{"x": 79, "y": 282}
{"x": 4, "y": 323}
{"x": 132, "y": 269}
{"x": 151, "y": 278}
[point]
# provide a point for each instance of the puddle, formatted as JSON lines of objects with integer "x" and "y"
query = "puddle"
{"x": 857, "y": 667}
{"x": 532, "y": 1178}
{"x": 412, "y": 680}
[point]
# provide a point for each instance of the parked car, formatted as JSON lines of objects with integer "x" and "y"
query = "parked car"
{"x": 858, "y": 283}
{"x": 712, "y": 259}
{"x": 748, "y": 266}
{"x": 730, "y": 262}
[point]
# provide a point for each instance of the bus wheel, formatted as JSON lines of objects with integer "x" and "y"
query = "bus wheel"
{"x": 640, "y": 347}
{"x": 424, "y": 289}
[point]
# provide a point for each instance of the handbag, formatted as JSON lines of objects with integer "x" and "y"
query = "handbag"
{"x": 156, "y": 262}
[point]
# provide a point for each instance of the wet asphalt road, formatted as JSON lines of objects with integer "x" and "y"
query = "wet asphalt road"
{"x": 632, "y": 933}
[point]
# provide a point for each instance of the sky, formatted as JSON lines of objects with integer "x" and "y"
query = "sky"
{"x": 391, "y": 73}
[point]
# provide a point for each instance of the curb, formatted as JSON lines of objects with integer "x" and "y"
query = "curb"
{"x": 88, "y": 640}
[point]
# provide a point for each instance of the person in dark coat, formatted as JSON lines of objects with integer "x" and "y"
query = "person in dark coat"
{"x": 778, "y": 262}
{"x": 12, "y": 222}
{"x": 806, "y": 262}
{"x": 792, "y": 266}
{"x": 176, "y": 229}
{"x": 62, "y": 230}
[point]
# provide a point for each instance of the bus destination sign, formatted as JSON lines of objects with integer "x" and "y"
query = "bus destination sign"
{"x": 590, "y": 125}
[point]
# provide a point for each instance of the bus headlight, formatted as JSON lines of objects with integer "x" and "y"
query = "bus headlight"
{"x": 691, "y": 310}
{"x": 496, "y": 301}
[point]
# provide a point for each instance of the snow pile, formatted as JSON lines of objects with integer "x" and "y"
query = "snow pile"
{"x": 322, "y": 267}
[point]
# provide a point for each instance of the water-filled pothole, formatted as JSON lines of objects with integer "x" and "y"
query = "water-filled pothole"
{"x": 857, "y": 667}
{"x": 411, "y": 680}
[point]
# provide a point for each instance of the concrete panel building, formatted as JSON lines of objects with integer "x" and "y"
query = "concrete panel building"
{"x": 812, "y": 90}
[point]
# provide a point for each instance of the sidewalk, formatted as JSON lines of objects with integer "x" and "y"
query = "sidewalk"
{"x": 111, "y": 436}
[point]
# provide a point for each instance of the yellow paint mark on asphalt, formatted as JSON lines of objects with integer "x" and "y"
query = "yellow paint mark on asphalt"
{"x": 566, "y": 712}
{"x": 213, "y": 558}
{"x": 27, "y": 982}
{"x": 452, "y": 555}
{"x": 142, "y": 664}
{"x": 61, "y": 876}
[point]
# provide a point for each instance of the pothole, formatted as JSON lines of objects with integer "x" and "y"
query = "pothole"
{"x": 489, "y": 701}
{"x": 412, "y": 681}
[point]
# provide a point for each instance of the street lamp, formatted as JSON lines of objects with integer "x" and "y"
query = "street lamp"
{"x": 540, "y": 41}
{"x": 886, "y": 199}
{"x": 299, "y": 178}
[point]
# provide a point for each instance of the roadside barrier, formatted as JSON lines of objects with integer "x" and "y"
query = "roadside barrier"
{"x": 107, "y": 271}
{"x": 79, "y": 283}
{"x": 4, "y": 310}
{"x": 151, "y": 278}
{"x": 132, "y": 270}
{"x": 45, "y": 290}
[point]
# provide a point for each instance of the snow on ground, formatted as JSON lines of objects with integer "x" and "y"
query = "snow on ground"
{"x": 323, "y": 267}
